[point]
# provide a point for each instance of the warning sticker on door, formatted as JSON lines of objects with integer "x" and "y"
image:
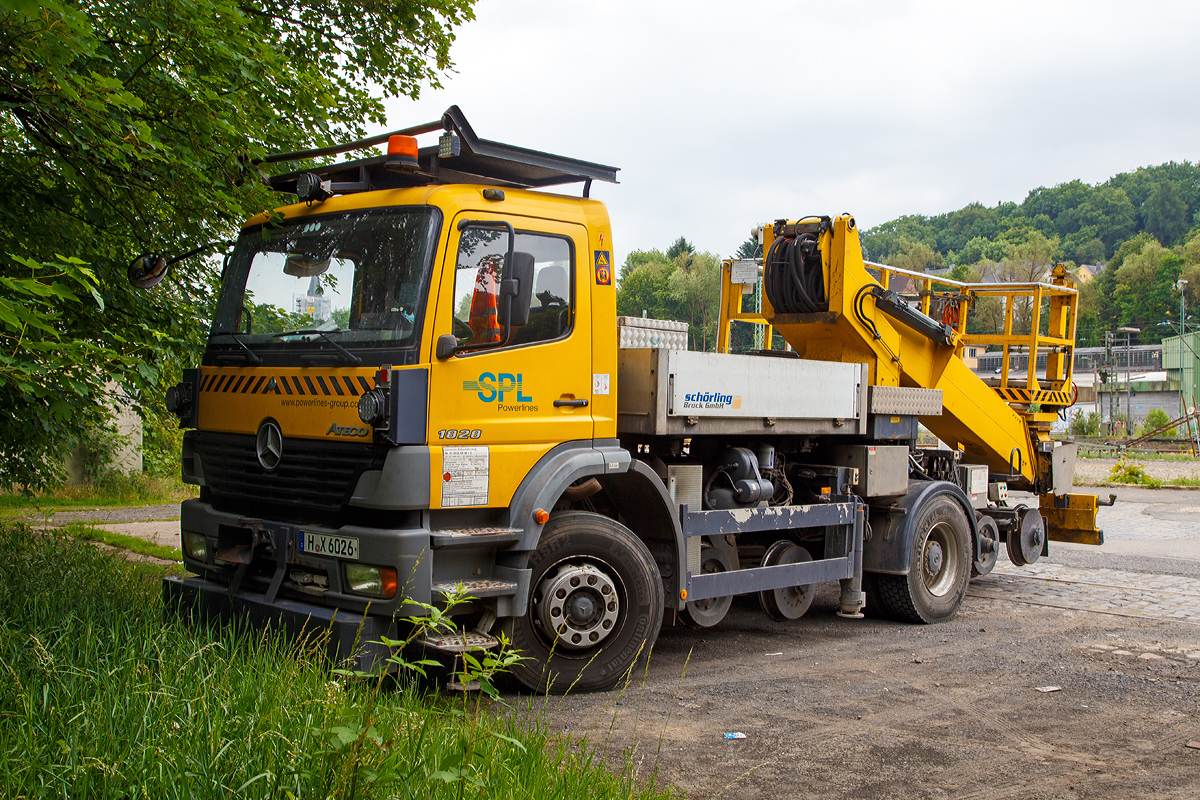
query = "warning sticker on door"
{"x": 464, "y": 476}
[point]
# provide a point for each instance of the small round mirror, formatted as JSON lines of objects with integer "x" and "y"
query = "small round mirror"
{"x": 147, "y": 270}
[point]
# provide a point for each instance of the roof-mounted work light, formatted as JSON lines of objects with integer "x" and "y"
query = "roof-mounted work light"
{"x": 402, "y": 152}
{"x": 310, "y": 188}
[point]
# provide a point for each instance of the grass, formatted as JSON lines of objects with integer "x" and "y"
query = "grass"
{"x": 101, "y": 695}
{"x": 83, "y": 530}
{"x": 118, "y": 490}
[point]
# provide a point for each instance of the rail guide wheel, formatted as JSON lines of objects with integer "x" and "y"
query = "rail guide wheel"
{"x": 708, "y": 612}
{"x": 789, "y": 602}
{"x": 988, "y": 549}
{"x": 1026, "y": 542}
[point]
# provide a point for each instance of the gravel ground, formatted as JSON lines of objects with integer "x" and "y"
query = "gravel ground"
{"x": 835, "y": 708}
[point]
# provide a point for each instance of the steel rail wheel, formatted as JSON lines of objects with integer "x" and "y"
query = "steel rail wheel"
{"x": 939, "y": 567}
{"x": 1025, "y": 543}
{"x": 596, "y": 605}
{"x": 788, "y": 602}
{"x": 707, "y": 613}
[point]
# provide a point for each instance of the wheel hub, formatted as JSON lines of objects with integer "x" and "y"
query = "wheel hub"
{"x": 933, "y": 558}
{"x": 579, "y": 605}
{"x": 939, "y": 559}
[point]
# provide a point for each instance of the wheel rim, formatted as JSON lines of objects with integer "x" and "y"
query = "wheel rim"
{"x": 939, "y": 560}
{"x": 579, "y": 604}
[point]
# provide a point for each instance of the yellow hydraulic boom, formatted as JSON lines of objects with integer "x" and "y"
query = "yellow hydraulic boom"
{"x": 866, "y": 316}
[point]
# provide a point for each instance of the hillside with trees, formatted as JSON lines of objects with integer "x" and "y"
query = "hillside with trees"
{"x": 1138, "y": 233}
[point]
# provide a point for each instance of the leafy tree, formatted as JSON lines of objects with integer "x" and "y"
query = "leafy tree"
{"x": 637, "y": 258}
{"x": 696, "y": 285}
{"x": 914, "y": 256}
{"x": 1145, "y": 289}
{"x": 125, "y": 129}
{"x": 1165, "y": 213}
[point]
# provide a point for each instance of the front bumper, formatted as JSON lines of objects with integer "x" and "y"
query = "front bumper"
{"x": 274, "y": 546}
{"x": 347, "y": 637}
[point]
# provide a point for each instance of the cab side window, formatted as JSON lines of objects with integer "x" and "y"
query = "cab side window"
{"x": 481, "y": 254}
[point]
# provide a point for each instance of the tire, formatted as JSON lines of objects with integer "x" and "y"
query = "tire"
{"x": 586, "y": 564}
{"x": 939, "y": 568}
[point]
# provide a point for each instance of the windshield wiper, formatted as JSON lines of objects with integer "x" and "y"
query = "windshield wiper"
{"x": 251, "y": 356}
{"x": 349, "y": 357}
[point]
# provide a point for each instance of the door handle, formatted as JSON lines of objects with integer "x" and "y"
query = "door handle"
{"x": 571, "y": 403}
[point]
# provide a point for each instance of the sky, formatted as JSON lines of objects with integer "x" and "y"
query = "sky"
{"x": 722, "y": 116}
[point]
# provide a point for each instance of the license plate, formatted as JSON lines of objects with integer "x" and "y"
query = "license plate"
{"x": 320, "y": 544}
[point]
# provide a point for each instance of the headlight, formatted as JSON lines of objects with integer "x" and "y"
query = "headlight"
{"x": 372, "y": 407}
{"x": 375, "y": 581}
{"x": 196, "y": 546}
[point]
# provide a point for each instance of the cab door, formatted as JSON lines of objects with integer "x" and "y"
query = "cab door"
{"x": 497, "y": 406}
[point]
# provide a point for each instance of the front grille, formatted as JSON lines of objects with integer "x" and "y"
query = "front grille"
{"x": 311, "y": 476}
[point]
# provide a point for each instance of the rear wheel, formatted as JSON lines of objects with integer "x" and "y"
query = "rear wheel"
{"x": 939, "y": 568}
{"x": 596, "y": 605}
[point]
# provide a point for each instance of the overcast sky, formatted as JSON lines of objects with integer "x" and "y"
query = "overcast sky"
{"x": 723, "y": 115}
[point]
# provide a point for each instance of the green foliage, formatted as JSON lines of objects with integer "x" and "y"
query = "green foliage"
{"x": 1126, "y": 471}
{"x": 687, "y": 289}
{"x": 1154, "y": 420}
{"x": 679, "y": 247}
{"x": 105, "y": 696}
{"x": 126, "y": 129}
{"x": 748, "y": 249}
{"x": 1082, "y": 424}
{"x": 1072, "y": 223}
{"x": 52, "y": 385}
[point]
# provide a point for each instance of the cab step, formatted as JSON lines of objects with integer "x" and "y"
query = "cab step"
{"x": 481, "y": 588}
{"x": 459, "y": 641}
{"x": 474, "y": 537}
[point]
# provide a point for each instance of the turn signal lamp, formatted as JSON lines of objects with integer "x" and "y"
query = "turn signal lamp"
{"x": 402, "y": 152}
{"x": 373, "y": 581}
{"x": 541, "y": 516}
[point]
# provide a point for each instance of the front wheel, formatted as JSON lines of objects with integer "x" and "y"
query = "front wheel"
{"x": 596, "y": 605}
{"x": 939, "y": 568}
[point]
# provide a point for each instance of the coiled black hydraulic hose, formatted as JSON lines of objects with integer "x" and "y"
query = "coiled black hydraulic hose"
{"x": 792, "y": 276}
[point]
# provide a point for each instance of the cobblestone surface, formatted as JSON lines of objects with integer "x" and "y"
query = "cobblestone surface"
{"x": 1105, "y": 591}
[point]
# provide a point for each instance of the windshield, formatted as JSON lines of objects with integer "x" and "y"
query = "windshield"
{"x": 360, "y": 277}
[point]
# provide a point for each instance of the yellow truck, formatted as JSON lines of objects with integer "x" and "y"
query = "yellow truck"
{"x": 417, "y": 384}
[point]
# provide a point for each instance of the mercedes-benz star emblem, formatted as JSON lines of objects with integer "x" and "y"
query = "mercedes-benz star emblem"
{"x": 269, "y": 445}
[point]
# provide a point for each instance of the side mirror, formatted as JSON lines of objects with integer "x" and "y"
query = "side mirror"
{"x": 519, "y": 287}
{"x": 446, "y": 345}
{"x": 147, "y": 270}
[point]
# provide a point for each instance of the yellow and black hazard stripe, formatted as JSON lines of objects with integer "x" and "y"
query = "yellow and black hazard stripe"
{"x": 1042, "y": 396}
{"x": 231, "y": 383}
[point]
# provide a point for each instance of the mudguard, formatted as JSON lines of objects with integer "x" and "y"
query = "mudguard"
{"x": 637, "y": 492}
{"x": 889, "y": 549}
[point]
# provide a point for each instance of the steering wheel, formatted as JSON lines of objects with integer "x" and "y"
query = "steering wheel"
{"x": 462, "y": 330}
